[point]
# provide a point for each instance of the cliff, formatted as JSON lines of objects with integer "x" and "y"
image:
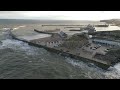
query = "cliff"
{"x": 112, "y": 21}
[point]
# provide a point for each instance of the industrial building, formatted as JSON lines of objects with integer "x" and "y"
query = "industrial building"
{"x": 106, "y": 42}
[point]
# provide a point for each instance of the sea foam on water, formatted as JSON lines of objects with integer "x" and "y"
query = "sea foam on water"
{"x": 89, "y": 70}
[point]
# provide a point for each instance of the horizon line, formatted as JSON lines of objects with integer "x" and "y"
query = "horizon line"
{"x": 54, "y": 19}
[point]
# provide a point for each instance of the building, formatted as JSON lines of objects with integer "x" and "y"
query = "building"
{"x": 49, "y": 42}
{"x": 62, "y": 34}
{"x": 54, "y": 41}
{"x": 89, "y": 29}
{"x": 106, "y": 42}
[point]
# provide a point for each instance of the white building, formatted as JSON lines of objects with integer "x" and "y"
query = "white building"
{"x": 53, "y": 43}
{"x": 106, "y": 42}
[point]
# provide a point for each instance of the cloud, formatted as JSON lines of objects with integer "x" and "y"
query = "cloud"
{"x": 11, "y": 15}
{"x": 63, "y": 15}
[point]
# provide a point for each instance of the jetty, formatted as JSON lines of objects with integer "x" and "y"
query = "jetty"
{"x": 99, "y": 63}
{"x": 86, "y": 44}
{"x": 42, "y": 32}
{"x": 59, "y": 43}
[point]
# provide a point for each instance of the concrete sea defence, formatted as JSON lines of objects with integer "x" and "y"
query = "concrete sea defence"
{"x": 99, "y": 64}
{"x": 42, "y": 32}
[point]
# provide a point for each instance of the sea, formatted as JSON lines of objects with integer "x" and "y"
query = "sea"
{"x": 18, "y": 60}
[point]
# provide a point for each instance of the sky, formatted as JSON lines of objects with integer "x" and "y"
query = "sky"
{"x": 60, "y": 15}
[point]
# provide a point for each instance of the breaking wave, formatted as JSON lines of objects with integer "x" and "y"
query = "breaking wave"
{"x": 7, "y": 42}
{"x": 93, "y": 72}
{"x": 18, "y": 45}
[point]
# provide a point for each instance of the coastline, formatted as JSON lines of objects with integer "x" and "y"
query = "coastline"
{"x": 101, "y": 65}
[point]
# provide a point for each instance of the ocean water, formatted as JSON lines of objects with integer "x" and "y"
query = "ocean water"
{"x": 18, "y": 60}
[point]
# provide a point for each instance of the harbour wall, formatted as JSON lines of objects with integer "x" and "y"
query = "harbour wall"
{"x": 101, "y": 65}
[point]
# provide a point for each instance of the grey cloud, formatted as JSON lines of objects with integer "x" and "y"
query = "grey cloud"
{"x": 12, "y": 15}
{"x": 22, "y": 15}
{"x": 91, "y": 15}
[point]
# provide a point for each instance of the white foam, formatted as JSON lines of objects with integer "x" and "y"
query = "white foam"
{"x": 79, "y": 63}
{"x": 117, "y": 66}
{"x": 96, "y": 72}
{"x": 18, "y": 27}
{"x": 22, "y": 26}
{"x": 5, "y": 28}
{"x": 91, "y": 71}
{"x": 114, "y": 72}
{"x": 35, "y": 36}
{"x": 18, "y": 45}
{"x": 110, "y": 28}
{"x": 15, "y": 28}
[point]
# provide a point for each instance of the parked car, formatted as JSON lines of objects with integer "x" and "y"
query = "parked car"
{"x": 93, "y": 48}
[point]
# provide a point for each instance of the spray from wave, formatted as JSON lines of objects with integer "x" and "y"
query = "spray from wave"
{"x": 8, "y": 42}
{"x": 18, "y": 45}
{"x": 94, "y": 72}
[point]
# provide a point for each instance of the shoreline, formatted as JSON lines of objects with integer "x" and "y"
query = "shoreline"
{"x": 99, "y": 64}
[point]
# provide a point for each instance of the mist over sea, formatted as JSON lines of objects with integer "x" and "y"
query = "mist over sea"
{"x": 18, "y": 60}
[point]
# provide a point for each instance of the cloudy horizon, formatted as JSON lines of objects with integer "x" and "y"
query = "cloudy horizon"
{"x": 60, "y": 15}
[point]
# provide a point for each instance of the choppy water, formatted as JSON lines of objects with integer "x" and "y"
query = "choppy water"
{"x": 18, "y": 60}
